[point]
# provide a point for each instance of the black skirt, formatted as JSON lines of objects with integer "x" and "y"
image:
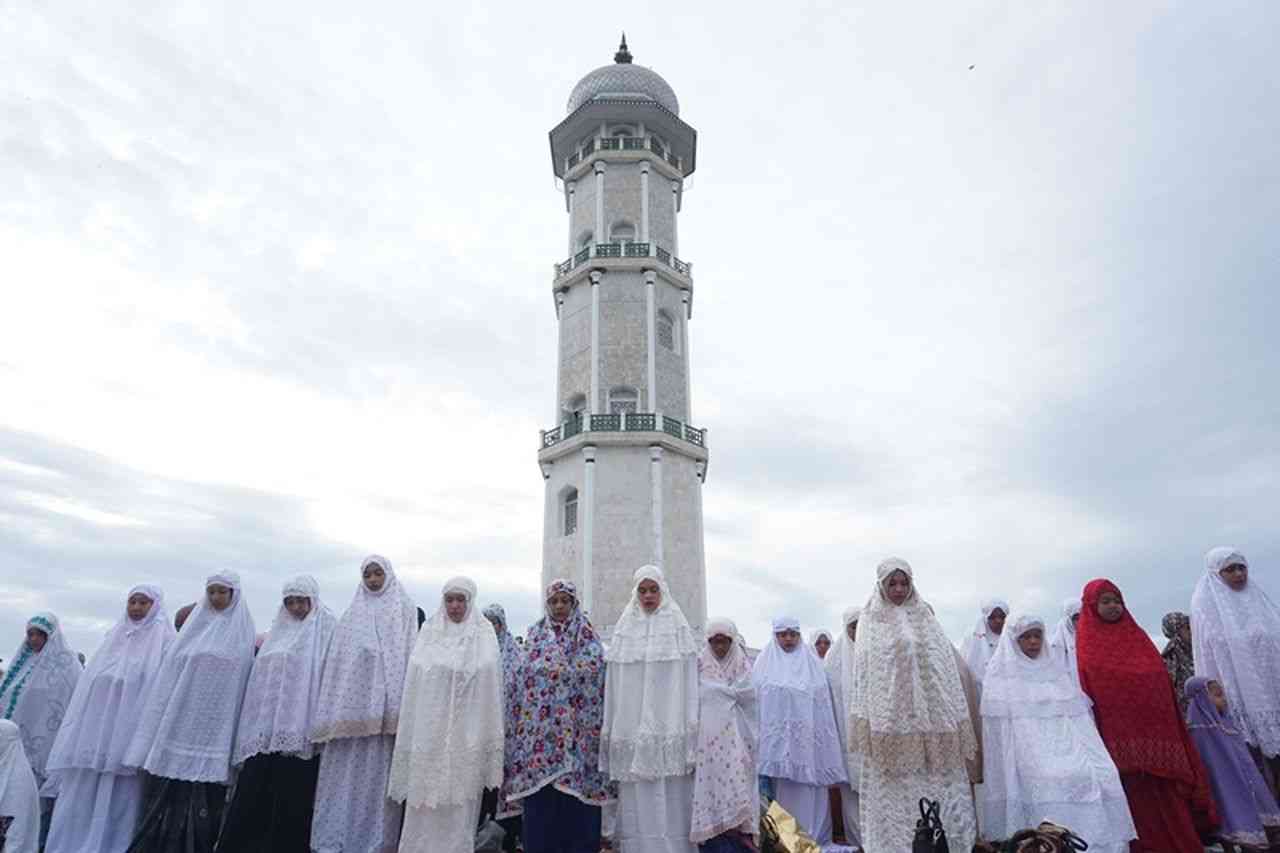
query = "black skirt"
{"x": 270, "y": 811}
{"x": 179, "y": 817}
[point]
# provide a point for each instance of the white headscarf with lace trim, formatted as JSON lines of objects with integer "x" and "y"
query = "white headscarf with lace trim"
{"x": 37, "y": 690}
{"x": 1062, "y": 645}
{"x": 839, "y": 666}
{"x": 1235, "y": 637}
{"x": 908, "y": 709}
{"x": 284, "y": 687}
{"x": 651, "y": 689}
{"x": 18, "y": 797}
{"x": 364, "y": 670}
{"x": 450, "y": 743}
{"x": 188, "y": 728}
{"x": 111, "y": 695}
{"x": 981, "y": 643}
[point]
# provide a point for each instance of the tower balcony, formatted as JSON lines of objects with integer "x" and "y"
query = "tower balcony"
{"x": 611, "y": 145}
{"x": 624, "y": 250}
{"x": 624, "y": 428}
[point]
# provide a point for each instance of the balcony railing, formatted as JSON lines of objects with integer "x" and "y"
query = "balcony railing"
{"x": 623, "y": 143}
{"x": 623, "y": 250}
{"x": 624, "y": 422}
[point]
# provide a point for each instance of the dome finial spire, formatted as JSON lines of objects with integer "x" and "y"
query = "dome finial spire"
{"x": 623, "y": 56}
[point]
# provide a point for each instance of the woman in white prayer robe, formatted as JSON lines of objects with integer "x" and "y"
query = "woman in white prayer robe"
{"x": 726, "y": 798}
{"x": 1062, "y": 644}
{"x": 839, "y": 666}
{"x": 909, "y": 718}
{"x": 18, "y": 797}
{"x": 357, "y": 713}
{"x": 450, "y": 744}
{"x": 275, "y": 791}
{"x": 1044, "y": 758}
{"x": 185, "y": 736}
{"x": 649, "y": 739}
{"x": 799, "y": 742}
{"x": 981, "y": 643}
{"x": 99, "y": 798}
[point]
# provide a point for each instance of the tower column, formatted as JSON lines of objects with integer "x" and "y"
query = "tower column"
{"x": 594, "y": 403}
{"x": 644, "y": 200}
{"x": 688, "y": 362}
{"x": 555, "y": 418}
{"x": 651, "y": 319}
{"x": 675, "y": 209}
{"x": 655, "y": 481}
{"x": 601, "y": 236}
{"x": 571, "y": 187}
{"x": 588, "y": 504}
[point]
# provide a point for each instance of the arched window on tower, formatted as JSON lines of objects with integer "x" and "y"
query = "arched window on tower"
{"x": 622, "y": 130}
{"x": 569, "y": 512}
{"x": 666, "y": 331}
{"x": 622, "y": 232}
{"x": 623, "y": 400}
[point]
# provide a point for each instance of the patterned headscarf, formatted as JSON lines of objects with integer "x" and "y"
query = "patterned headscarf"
{"x": 1177, "y": 655}
{"x": 560, "y": 708}
{"x": 512, "y": 658}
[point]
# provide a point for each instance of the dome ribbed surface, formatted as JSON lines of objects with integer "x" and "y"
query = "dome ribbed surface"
{"x": 623, "y": 79}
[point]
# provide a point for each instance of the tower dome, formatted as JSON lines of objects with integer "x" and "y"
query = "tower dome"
{"x": 625, "y": 80}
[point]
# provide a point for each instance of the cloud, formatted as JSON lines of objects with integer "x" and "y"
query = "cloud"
{"x": 277, "y": 294}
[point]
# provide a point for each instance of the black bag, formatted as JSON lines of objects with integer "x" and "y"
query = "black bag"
{"x": 930, "y": 836}
{"x": 1046, "y": 838}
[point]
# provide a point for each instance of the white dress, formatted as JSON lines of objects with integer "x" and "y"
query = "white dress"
{"x": 353, "y": 814}
{"x": 654, "y": 815}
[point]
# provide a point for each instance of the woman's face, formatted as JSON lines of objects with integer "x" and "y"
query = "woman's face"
{"x": 720, "y": 645}
{"x": 995, "y": 620}
{"x": 851, "y": 630}
{"x": 1218, "y": 695}
{"x": 1031, "y": 642}
{"x": 36, "y": 639}
{"x": 1235, "y": 576}
{"x": 788, "y": 639}
{"x": 822, "y": 645}
{"x": 650, "y": 595}
{"x": 219, "y": 596}
{"x": 298, "y": 606}
{"x": 897, "y": 587}
{"x": 375, "y": 578}
{"x": 455, "y": 606}
{"x": 1110, "y": 607}
{"x": 1075, "y": 619}
{"x": 560, "y": 606}
{"x": 138, "y": 606}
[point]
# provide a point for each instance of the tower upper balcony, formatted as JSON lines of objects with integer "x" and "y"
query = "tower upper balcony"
{"x": 623, "y": 111}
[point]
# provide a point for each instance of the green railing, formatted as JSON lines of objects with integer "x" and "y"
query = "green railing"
{"x": 623, "y": 143}
{"x": 623, "y": 250}
{"x": 624, "y": 422}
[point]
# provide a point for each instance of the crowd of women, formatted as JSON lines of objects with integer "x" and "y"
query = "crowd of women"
{"x": 387, "y": 730}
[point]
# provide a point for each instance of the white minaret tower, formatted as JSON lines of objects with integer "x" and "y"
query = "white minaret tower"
{"x": 623, "y": 466}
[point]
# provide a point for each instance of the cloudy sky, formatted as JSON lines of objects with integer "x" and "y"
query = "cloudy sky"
{"x": 276, "y": 284}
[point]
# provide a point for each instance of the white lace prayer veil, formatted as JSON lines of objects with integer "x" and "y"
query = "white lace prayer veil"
{"x": 908, "y": 709}
{"x": 18, "y": 797}
{"x": 111, "y": 695}
{"x": 449, "y": 746}
{"x": 839, "y": 666}
{"x": 284, "y": 687}
{"x": 651, "y": 689}
{"x": 1235, "y": 639}
{"x": 38, "y": 687}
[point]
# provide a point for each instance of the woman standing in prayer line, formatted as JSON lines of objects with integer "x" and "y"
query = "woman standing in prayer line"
{"x": 357, "y": 713}
{"x": 187, "y": 730}
{"x": 555, "y": 766}
{"x": 1137, "y": 716}
{"x": 981, "y": 644}
{"x": 100, "y": 798}
{"x": 908, "y": 718}
{"x": 1177, "y": 655}
{"x": 649, "y": 740}
{"x": 270, "y": 810}
{"x": 18, "y": 797}
{"x": 1062, "y": 645}
{"x": 839, "y": 666}
{"x": 35, "y": 693}
{"x": 1044, "y": 758}
{"x": 821, "y": 642}
{"x": 505, "y": 812}
{"x": 726, "y": 798}
{"x": 799, "y": 745}
{"x": 1244, "y": 801}
{"x": 1235, "y": 631}
{"x": 449, "y": 746}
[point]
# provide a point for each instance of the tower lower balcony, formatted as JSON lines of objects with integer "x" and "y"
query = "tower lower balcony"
{"x": 637, "y": 253}
{"x": 623, "y": 428}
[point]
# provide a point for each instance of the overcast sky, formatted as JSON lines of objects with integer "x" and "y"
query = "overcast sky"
{"x": 276, "y": 294}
